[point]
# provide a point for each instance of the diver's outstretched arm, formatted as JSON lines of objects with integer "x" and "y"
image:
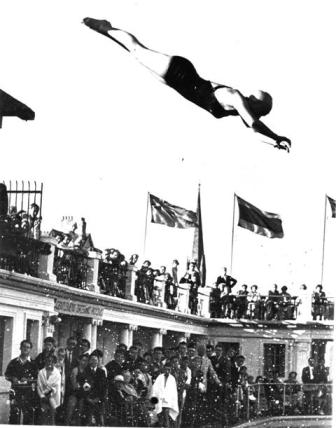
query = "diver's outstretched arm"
{"x": 240, "y": 104}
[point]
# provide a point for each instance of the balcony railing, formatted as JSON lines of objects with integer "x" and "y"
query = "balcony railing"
{"x": 112, "y": 279}
{"x": 71, "y": 267}
{"x": 267, "y": 399}
{"x": 81, "y": 269}
{"x": 18, "y": 252}
{"x": 278, "y": 308}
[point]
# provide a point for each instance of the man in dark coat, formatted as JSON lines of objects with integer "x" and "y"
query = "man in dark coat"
{"x": 97, "y": 394}
{"x": 49, "y": 348}
{"x": 21, "y": 371}
{"x": 311, "y": 376}
{"x": 226, "y": 280}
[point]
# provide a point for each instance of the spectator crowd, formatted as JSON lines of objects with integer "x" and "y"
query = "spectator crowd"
{"x": 186, "y": 386}
{"x": 249, "y": 303}
{"x": 20, "y": 233}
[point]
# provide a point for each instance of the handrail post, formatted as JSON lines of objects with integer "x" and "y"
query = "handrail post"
{"x": 248, "y": 404}
{"x": 258, "y": 399}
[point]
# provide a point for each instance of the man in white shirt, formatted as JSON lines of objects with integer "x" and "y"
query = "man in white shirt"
{"x": 165, "y": 390}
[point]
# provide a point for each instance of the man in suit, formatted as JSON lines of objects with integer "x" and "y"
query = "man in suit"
{"x": 222, "y": 366}
{"x": 226, "y": 280}
{"x": 97, "y": 394}
{"x": 310, "y": 377}
{"x": 71, "y": 356}
{"x": 235, "y": 370}
{"x": 132, "y": 359}
{"x": 115, "y": 367}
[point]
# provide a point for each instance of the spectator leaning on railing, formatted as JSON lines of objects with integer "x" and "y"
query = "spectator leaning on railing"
{"x": 253, "y": 299}
{"x": 192, "y": 277}
{"x": 319, "y": 302}
{"x": 241, "y": 302}
{"x": 226, "y": 280}
{"x": 303, "y": 304}
{"x": 314, "y": 378}
{"x": 272, "y": 303}
{"x": 227, "y": 302}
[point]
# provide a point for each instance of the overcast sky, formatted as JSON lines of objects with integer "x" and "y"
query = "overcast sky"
{"x": 106, "y": 132}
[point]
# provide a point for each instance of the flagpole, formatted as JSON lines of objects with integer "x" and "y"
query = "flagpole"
{"x": 324, "y": 233}
{"x": 233, "y": 224}
{"x": 146, "y": 222}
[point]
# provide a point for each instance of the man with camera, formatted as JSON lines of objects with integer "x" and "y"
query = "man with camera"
{"x": 22, "y": 373}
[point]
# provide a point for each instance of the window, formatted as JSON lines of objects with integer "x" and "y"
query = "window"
{"x": 274, "y": 359}
{"x": 32, "y": 334}
{"x": 229, "y": 345}
{"x": 6, "y": 329}
{"x": 320, "y": 350}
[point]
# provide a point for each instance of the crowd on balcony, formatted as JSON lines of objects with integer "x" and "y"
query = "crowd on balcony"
{"x": 20, "y": 247}
{"x": 187, "y": 386}
{"x": 157, "y": 286}
{"x": 249, "y": 303}
{"x": 22, "y": 222}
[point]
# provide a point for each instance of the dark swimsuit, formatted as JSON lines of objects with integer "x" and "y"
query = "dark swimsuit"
{"x": 182, "y": 76}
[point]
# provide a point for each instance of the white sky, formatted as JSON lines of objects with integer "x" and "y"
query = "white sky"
{"x": 106, "y": 132}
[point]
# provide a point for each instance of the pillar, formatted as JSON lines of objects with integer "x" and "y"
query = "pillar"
{"x": 130, "y": 283}
{"x": 92, "y": 272}
{"x": 204, "y": 302}
{"x": 302, "y": 351}
{"x": 46, "y": 261}
{"x": 290, "y": 360}
{"x": 157, "y": 337}
{"x": 94, "y": 332}
{"x": 183, "y": 337}
{"x": 48, "y": 326}
{"x": 183, "y": 298}
{"x": 126, "y": 334}
{"x": 87, "y": 330}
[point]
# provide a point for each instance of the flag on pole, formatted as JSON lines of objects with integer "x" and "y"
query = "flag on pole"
{"x": 332, "y": 203}
{"x": 258, "y": 221}
{"x": 198, "y": 247}
{"x": 163, "y": 212}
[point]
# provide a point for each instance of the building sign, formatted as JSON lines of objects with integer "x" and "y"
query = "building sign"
{"x": 80, "y": 309}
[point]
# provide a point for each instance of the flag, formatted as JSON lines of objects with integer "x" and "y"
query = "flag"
{"x": 163, "y": 212}
{"x": 198, "y": 247}
{"x": 258, "y": 221}
{"x": 332, "y": 203}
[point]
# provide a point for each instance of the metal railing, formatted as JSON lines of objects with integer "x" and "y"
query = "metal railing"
{"x": 21, "y": 254}
{"x": 23, "y": 400}
{"x": 25, "y": 206}
{"x": 71, "y": 267}
{"x": 282, "y": 399}
{"x": 263, "y": 308}
{"x": 112, "y": 279}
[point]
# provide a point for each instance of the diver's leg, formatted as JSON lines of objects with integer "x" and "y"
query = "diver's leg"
{"x": 156, "y": 62}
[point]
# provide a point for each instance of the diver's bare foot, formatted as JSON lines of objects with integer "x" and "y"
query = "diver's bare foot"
{"x": 100, "y": 25}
